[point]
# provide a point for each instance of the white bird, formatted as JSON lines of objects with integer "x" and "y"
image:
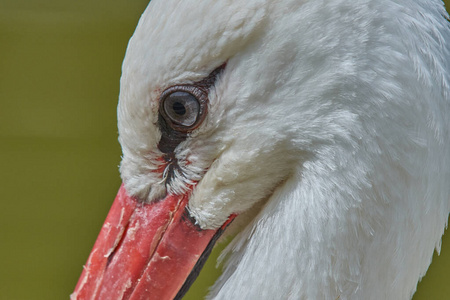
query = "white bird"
{"x": 320, "y": 127}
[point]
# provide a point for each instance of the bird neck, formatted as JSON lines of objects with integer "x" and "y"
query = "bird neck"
{"x": 328, "y": 233}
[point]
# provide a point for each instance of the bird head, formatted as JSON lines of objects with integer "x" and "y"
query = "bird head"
{"x": 227, "y": 107}
{"x": 231, "y": 143}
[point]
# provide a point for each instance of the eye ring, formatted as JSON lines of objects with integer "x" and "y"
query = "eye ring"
{"x": 183, "y": 107}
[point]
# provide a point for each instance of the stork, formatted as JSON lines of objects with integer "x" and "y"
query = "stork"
{"x": 317, "y": 131}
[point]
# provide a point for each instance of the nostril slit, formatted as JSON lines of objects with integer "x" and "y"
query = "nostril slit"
{"x": 116, "y": 247}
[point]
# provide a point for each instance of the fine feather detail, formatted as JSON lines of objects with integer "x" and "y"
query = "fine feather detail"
{"x": 331, "y": 117}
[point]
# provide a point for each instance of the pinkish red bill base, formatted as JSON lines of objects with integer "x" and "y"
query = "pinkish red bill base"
{"x": 145, "y": 251}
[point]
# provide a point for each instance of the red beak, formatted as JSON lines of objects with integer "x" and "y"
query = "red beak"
{"x": 146, "y": 251}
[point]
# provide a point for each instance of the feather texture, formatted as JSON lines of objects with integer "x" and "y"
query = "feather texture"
{"x": 332, "y": 117}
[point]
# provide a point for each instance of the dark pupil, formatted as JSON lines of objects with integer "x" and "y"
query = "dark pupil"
{"x": 179, "y": 108}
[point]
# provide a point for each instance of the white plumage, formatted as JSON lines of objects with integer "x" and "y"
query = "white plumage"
{"x": 328, "y": 132}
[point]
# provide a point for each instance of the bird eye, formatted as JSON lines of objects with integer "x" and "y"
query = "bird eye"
{"x": 183, "y": 107}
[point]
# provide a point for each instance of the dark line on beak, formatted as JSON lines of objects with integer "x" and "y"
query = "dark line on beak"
{"x": 200, "y": 263}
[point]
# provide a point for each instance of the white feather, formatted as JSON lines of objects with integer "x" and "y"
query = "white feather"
{"x": 334, "y": 114}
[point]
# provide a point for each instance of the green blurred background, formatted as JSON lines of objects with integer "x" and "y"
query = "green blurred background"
{"x": 60, "y": 66}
